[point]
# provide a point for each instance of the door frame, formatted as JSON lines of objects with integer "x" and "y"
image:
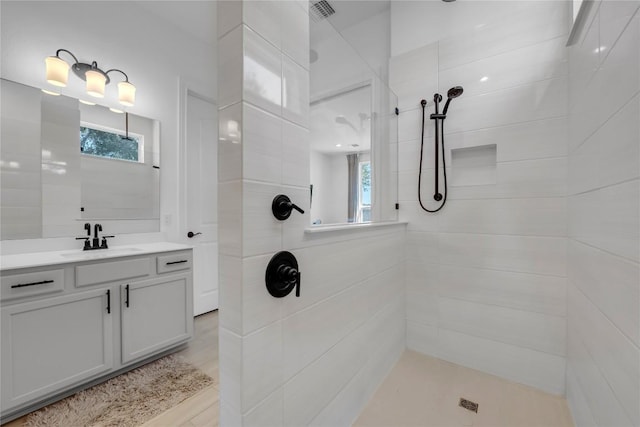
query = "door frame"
{"x": 186, "y": 88}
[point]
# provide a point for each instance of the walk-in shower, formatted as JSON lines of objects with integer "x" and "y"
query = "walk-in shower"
{"x": 438, "y": 117}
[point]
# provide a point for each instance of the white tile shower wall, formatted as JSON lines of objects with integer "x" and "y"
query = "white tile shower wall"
{"x": 20, "y": 169}
{"x": 603, "y": 352}
{"x": 486, "y": 276}
{"x": 317, "y": 358}
{"x": 61, "y": 167}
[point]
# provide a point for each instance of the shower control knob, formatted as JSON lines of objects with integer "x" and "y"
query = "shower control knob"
{"x": 282, "y": 275}
{"x": 282, "y": 207}
{"x": 287, "y": 274}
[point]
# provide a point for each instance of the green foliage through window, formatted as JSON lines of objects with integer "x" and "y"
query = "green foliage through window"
{"x": 365, "y": 192}
{"x": 365, "y": 183}
{"x": 107, "y": 144}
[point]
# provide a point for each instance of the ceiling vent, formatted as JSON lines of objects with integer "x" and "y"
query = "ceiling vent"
{"x": 321, "y": 10}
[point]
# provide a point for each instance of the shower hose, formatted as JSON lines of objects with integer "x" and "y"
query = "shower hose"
{"x": 439, "y": 123}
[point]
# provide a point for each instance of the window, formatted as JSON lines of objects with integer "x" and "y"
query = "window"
{"x": 364, "y": 192}
{"x": 107, "y": 143}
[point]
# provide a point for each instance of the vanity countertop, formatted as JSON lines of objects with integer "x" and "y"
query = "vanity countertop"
{"x": 40, "y": 259}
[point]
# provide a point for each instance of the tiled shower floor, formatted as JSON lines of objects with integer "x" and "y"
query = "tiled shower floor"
{"x": 425, "y": 391}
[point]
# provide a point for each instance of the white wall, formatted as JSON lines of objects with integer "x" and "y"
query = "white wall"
{"x": 339, "y": 67}
{"x": 293, "y": 361}
{"x": 325, "y": 203}
{"x": 486, "y": 276}
{"x": 329, "y": 176}
{"x": 371, "y": 39}
{"x": 603, "y": 355}
{"x": 155, "y": 53}
{"x": 427, "y": 22}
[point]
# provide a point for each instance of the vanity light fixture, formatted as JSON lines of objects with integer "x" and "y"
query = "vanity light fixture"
{"x": 58, "y": 75}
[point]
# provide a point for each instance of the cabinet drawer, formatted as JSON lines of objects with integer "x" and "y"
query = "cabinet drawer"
{"x": 29, "y": 284}
{"x": 174, "y": 262}
{"x": 103, "y": 272}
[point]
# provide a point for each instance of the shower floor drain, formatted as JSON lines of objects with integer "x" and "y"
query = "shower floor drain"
{"x": 469, "y": 405}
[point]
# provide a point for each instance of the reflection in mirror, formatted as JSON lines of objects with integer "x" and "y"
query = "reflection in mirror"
{"x": 341, "y": 157}
{"x": 119, "y": 165}
{"x": 49, "y": 187}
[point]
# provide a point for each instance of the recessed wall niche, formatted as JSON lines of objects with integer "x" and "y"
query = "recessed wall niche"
{"x": 473, "y": 165}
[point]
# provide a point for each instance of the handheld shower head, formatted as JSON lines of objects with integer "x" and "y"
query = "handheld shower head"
{"x": 454, "y": 92}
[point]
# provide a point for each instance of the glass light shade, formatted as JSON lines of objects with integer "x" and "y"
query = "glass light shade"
{"x": 57, "y": 71}
{"x": 126, "y": 94}
{"x": 95, "y": 83}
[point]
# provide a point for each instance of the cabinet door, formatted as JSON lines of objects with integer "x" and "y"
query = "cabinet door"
{"x": 156, "y": 314}
{"x": 50, "y": 344}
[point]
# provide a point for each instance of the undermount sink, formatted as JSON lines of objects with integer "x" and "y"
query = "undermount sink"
{"x": 101, "y": 253}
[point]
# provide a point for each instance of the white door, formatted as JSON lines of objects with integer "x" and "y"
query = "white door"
{"x": 202, "y": 199}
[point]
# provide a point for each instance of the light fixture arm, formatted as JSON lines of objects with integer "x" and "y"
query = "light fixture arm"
{"x": 126, "y": 78}
{"x": 80, "y": 68}
{"x": 65, "y": 50}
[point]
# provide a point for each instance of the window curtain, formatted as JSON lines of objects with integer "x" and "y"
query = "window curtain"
{"x": 352, "y": 205}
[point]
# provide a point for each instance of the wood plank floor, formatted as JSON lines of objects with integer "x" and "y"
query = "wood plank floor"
{"x": 201, "y": 409}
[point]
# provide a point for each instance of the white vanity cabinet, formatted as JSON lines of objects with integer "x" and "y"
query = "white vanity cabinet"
{"x": 70, "y": 324}
{"x": 155, "y": 314}
{"x": 53, "y": 343}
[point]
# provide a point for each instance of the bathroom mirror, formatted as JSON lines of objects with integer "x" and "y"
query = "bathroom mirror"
{"x": 63, "y": 163}
{"x": 353, "y": 134}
